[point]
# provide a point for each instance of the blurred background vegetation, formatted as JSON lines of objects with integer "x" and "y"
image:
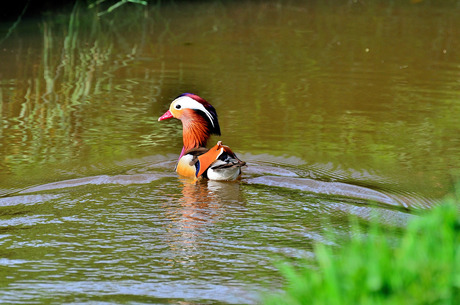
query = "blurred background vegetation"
{"x": 29, "y": 8}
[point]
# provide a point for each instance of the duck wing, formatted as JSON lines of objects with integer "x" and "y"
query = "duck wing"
{"x": 218, "y": 157}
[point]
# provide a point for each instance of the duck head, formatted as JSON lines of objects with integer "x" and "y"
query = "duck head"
{"x": 199, "y": 120}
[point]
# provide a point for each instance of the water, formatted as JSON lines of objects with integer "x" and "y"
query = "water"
{"x": 338, "y": 109}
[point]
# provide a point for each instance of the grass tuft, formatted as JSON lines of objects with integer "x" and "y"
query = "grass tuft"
{"x": 420, "y": 267}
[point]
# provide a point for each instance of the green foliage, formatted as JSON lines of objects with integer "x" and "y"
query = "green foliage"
{"x": 67, "y": 92}
{"x": 420, "y": 267}
{"x": 115, "y": 5}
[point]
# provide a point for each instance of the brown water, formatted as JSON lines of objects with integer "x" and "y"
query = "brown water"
{"x": 339, "y": 109}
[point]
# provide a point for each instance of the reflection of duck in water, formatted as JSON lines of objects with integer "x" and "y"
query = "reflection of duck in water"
{"x": 198, "y": 204}
{"x": 199, "y": 122}
{"x": 202, "y": 208}
{"x": 202, "y": 203}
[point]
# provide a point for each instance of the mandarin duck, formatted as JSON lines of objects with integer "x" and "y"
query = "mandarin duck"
{"x": 199, "y": 122}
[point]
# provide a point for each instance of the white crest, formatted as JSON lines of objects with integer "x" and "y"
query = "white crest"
{"x": 188, "y": 102}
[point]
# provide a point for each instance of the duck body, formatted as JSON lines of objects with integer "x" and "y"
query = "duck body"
{"x": 199, "y": 122}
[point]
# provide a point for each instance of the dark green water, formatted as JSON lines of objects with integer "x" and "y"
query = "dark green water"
{"x": 339, "y": 109}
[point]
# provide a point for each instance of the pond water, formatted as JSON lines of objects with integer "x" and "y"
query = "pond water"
{"x": 340, "y": 108}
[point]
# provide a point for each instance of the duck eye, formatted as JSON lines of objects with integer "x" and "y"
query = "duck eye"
{"x": 178, "y": 106}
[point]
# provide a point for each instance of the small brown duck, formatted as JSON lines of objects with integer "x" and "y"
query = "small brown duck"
{"x": 199, "y": 122}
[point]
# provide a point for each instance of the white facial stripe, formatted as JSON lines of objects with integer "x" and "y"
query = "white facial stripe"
{"x": 188, "y": 102}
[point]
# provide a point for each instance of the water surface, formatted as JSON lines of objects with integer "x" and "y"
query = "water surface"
{"x": 339, "y": 109}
